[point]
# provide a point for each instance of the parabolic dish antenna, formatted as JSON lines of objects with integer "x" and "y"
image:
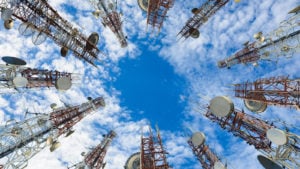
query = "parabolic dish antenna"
{"x": 13, "y": 61}
{"x": 53, "y": 105}
{"x": 198, "y": 139}
{"x": 277, "y": 136}
{"x": 26, "y": 29}
{"x": 194, "y": 33}
{"x": 64, "y": 51}
{"x": 221, "y": 106}
{"x": 92, "y": 41}
{"x": 8, "y": 24}
{"x": 38, "y": 37}
{"x": 63, "y": 83}
{"x": 54, "y": 146}
{"x": 219, "y": 165}
{"x": 255, "y": 106}
{"x": 133, "y": 162}
{"x": 268, "y": 163}
{"x": 143, "y": 4}
{"x": 6, "y": 14}
{"x": 20, "y": 81}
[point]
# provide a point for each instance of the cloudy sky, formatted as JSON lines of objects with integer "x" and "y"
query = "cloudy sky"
{"x": 157, "y": 79}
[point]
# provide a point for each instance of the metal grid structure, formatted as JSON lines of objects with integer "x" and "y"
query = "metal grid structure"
{"x": 41, "y": 21}
{"x": 157, "y": 11}
{"x": 274, "y": 91}
{"x": 283, "y": 41}
{"x": 201, "y": 15}
{"x": 207, "y": 158}
{"x": 107, "y": 10}
{"x": 153, "y": 154}
{"x": 254, "y": 131}
{"x": 20, "y": 141}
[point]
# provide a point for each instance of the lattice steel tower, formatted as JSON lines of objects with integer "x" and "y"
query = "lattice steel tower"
{"x": 207, "y": 158}
{"x": 283, "y": 41}
{"x": 280, "y": 148}
{"x": 269, "y": 91}
{"x": 41, "y": 21}
{"x": 201, "y": 15}
{"x": 156, "y": 11}
{"x": 20, "y": 141}
{"x": 94, "y": 159}
{"x": 13, "y": 75}
{"x": 107, "y": 10}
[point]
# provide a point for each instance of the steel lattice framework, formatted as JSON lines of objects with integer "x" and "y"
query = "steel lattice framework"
{"x": 253, "y": 130}
{"x": 157, "y": 11}
{"x": 153, "y": 154}
{"x": 274, "y": 90}
{"x": 203, "y": 153}
{"x": 20, "y": 141}
{"x": 201, "y": 15}
{"x": 106, "y": 9}
{"x": 41, "y": 21}
{"x": 283, "y": 41}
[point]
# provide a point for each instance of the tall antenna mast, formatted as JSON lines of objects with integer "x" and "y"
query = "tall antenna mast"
{"x": 94, "y": 159}
{"x": 283, "y": 41}
{"x": 280, "y": 148}
{"x": 15, "y": 76}
{"x": 201, "y": 15}
{"x": 207, "y": 158}
{"x": 107, "y": 10}
{"x": 20, "y": 141}
{"x": 41, "y": 21}
{"x": 278, "y": 90}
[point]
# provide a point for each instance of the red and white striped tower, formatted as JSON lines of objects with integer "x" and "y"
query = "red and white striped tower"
{"x": 20, "y": 141}
{"x": 107, "y": 10}
{"x": 283, "y": 41}
{"x": 269, "y": 91}
{"x": 280, "y": 148}
{"x": 41, "y": 21}
{"x": 207, "y": 158}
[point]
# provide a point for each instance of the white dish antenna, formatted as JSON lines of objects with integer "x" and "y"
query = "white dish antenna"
{"x": 198, "y": 139}
{"x": 268, "y": 163}
{"x": 38, "y": 37}
{"x": 255, "y": 106}
{"x": 63, "y": 83}
{"x": 6, "y": 14}
{"x": 53, "y": 106}
{"x": 26, "y": 29}
{"x": 55, "y": 145}
{"x": 221, "y": 106}
{"x": 277, "y": 136}
{"x": 133, "y": 162}
{"x": 219, "y": 165}
{"x": 20, "y": 81}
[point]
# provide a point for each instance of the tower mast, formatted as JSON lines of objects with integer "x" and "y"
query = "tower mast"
{"x": 20, "y": 141}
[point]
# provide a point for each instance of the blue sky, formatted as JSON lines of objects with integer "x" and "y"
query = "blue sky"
{"x": 156, "y": 79}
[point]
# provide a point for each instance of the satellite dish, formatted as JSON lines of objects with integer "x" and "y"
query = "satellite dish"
{"x": 143, "y": 4}
{"x": 92, "y": 41}
{"x": 194, "y": 33}
{"x": 255, "y": 106}
{"x": 54, "y": 146}
{"x": 89, "y": 98}
{"x": 133, "y": 162}
{"x": 97, "y": 13}
{"x": 13, "y": 61}
{"x": 53, "y": 105}
{"x": 49, "y": 141}
{"x": 259, "y": 36}
{"x": 82, "y": 154}
{"x": 69, "y": 133}
{"x": 20, "y": 81}
{"x": 198, "y": 139}
{"x": 64, "y": 51}
{"x": 6, "y": 14}
{"x": 63, "y": 83}
{"x": 195, "y": 11}
{"x": 38, "y": 37}
{"x": 221, "y": 106}
{"x": 26, "y": 29}
{"x": 295, "y": 10}
{"x": 8, "y": 24}
{"x": 219, "y": 165}
{"x": 268, "y": 163}
{"x": 277, "y": 136}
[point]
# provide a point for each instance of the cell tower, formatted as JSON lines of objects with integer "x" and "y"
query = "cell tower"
{"x": 94, "y": 159}
{"x": 20, "y": 141}
{"x": 152, "y": 154}
{"x": 156, "y": 11}
{"x": 280, "y": 148}
{"x": 107, "y": 10}
{"x": 15, "y": 76}
{"x": 283, "y": 41}
{"x": 207, "y": 158}
{"x": 41, "y": 21}
{"x": 269, "y": 91}
{"x": 201, "y": 15}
